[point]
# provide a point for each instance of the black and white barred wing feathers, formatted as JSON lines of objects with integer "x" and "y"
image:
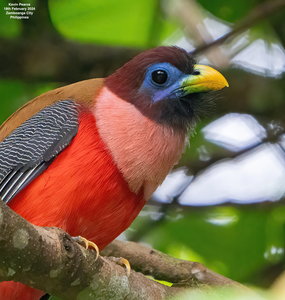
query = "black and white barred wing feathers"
{"x": 32, "y": 147}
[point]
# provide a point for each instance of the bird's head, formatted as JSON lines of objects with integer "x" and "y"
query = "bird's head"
{"x": 167, "y": 86}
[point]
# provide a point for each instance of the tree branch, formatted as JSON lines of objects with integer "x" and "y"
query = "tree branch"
{"x": 258, "y": 14}
{"x": 164, "y": 267}
{"x": 47, "y": 56}
{"x": 59, "y": 60}
{"x": 49, "y": 259}
{"x": 181, "y": 273}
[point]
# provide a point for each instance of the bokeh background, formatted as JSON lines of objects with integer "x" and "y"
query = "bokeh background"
{"x": 223, "y": 205}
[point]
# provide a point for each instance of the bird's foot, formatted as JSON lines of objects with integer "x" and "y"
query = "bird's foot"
{"x": 122, "y": 262}
{"x": 85, "y": 243}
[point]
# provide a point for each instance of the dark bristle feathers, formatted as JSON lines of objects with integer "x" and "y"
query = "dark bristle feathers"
{"x": 180, "y": 114}
{"x": 126, "y": 81}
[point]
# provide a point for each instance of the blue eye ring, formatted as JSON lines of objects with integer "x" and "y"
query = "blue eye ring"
{"x": 159, "y": 76}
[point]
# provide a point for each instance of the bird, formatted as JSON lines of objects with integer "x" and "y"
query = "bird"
{"x": 87, "y": 157}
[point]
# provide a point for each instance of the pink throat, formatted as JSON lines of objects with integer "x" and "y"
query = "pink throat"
{"x": 143, "y": 150}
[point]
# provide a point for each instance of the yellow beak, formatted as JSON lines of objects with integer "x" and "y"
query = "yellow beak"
{"x": 207, "y": 79}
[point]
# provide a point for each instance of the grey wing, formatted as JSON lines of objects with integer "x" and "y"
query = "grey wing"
{"x": 32, "y": 146}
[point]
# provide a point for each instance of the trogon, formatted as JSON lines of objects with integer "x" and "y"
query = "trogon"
{"x": 87, "y": 157}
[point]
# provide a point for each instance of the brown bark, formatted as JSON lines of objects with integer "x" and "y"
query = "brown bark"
{"x": 50, "y": 260}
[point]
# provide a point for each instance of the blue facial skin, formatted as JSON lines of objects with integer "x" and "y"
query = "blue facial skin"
{"x": 171, "y": 88}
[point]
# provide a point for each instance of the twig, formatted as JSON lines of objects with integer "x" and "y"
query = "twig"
{"x": 261, "y": 12}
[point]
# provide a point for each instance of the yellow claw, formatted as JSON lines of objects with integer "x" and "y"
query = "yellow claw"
{"x": 122, "y": 262}
{"x": 84, "y": 242}
{"x": 126, "y": 263}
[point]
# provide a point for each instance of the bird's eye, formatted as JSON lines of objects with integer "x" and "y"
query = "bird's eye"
{"x": 159, "y": 76}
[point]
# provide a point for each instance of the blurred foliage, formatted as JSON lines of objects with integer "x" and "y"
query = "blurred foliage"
{"x": 233, "y": 241}
{"x": 11, "y": 28}
{"x": 14, "y": 94}
{"x": 135, "y": 23}
{"x": 229, "y": 11}
{"x": 244, "y": 243}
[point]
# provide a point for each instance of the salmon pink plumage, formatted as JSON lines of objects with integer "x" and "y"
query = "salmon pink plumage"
{"x": 88, "y": 156}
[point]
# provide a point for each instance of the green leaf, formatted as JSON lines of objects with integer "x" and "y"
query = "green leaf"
{"x": 15, "y": 93}
{"x": 126, "y": 22}
{"x": 9, "y": 28}
{"x": 231, "y": 12}
{"x": 230, "y": 241}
